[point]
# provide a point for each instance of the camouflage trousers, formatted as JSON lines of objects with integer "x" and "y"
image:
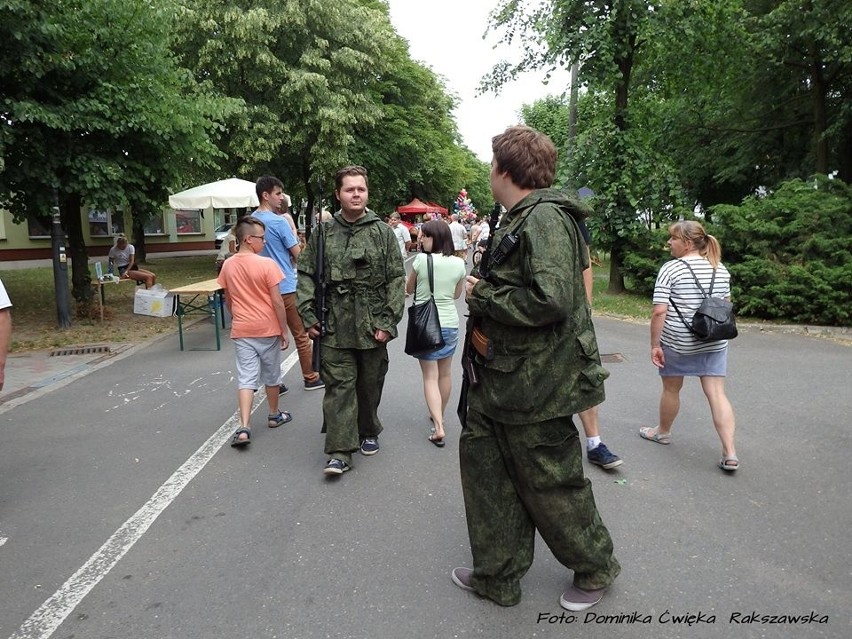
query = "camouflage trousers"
{"x": 354, "y": 379}
{"x": 519, "y": 478}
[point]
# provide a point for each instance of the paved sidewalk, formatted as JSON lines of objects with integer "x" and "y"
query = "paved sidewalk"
{"x": 31, "y": 374}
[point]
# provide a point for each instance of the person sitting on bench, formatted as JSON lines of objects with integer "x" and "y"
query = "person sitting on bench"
{"x": 122, "y": 258}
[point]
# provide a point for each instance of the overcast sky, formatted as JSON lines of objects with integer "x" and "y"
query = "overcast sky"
{"x": 446, "y": 35}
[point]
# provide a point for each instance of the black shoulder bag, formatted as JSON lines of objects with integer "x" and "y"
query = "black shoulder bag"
{"x": 424, "y": 328}
{"x": 714, "y": 320}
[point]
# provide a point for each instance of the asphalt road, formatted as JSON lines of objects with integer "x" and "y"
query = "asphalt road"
{"x": 124, "y": 513}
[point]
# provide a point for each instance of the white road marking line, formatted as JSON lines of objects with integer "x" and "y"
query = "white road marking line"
{"x": 50, "y": 615}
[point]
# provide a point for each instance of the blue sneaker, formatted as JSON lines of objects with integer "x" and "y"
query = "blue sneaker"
{"x": 601, "y": 456}
{"x": 370, "y": 446}
{"x": 335, "y": 467}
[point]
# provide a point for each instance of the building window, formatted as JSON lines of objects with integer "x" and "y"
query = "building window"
{"x": 187, "y": 222}
{"x": 155, "y": 225}
{"x": 105, "y": 223}
{"x": 39, "y": 225}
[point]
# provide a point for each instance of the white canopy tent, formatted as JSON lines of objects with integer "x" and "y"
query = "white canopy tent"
{"x": 232, "y": 193}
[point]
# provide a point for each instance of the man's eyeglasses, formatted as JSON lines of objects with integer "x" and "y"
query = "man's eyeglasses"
{"x": 262, "y": 238}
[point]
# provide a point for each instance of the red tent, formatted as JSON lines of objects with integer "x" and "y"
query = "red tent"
{"x": 416, "y": 207}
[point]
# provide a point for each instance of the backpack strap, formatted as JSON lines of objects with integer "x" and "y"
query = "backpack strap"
{"x": 695, "y": 277}
{"x": 680, "y": 315}
{"x": 700, "y": 288}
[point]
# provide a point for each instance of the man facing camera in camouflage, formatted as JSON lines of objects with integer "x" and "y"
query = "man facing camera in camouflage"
{"x": 365, "y": 298}
{"x": 536, "y": 361}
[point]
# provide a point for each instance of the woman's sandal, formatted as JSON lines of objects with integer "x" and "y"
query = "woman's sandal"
{"x": 438, "y": 441}
{"x": 236, "y": 442}
{"x": 653, "y": 434}
{"x": 729, "y": 463}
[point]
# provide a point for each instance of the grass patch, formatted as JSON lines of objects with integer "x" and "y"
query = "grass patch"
{"x": 628, "y": 305}
{"x": 35, "y": 320}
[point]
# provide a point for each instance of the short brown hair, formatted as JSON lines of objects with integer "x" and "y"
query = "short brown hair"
{"x": 352, "y": 169}
{"x": 245, "y": 226}
{"x": 527, "y": 155}
{"x": 442, "y": 239}
{"x": 267, "y": 184}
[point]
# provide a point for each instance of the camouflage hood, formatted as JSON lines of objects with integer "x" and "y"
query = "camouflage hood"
{"x": 575, "y": 207}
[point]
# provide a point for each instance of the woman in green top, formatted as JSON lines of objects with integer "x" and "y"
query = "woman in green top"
{"x": 448, "y": 275}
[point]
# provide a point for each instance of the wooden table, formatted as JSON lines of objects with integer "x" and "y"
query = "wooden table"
{"x": 211, "y": 304}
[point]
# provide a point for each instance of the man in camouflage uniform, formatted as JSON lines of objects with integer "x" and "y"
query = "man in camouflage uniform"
{"x": 365, "y": 298}
{"x": 519, "y": 452}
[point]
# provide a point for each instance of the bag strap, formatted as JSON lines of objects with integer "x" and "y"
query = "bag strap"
{"x": 429, "y": 268}
{"x": 680, "y": 315}
{"x": 697, "y": 283}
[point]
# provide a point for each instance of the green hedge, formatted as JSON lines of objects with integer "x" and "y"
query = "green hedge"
{"x": 790, "y": 252}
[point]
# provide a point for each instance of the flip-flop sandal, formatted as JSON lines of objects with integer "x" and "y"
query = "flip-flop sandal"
{"x": 652, "y": 434}
{"x": 236, "y": 442}
{"x": 438, "y": 442}
{"x": 729, "y": 463}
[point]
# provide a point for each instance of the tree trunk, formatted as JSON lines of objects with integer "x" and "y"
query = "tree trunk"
{"x": 616, "y": 273}
{"x": 572, "y": 105}
{"x": 625, "y": 35}
{"x": 138, "y": 230}
{"x": 81, "y": 280}
{"x": 846, "y": 155}
{"x": 818, "y": 91}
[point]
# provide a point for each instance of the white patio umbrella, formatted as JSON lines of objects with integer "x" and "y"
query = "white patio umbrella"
{"x": 232, "y": 193}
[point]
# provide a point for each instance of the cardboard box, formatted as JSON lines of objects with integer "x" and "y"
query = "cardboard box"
{"x": 155, "y": 302}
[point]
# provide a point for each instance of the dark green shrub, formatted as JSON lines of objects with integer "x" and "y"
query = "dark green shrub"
{"x": 790, "y": 252}
{"x": 646, "y": 252}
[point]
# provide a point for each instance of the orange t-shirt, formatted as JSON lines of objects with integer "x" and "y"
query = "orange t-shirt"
{"x": 247, "y": 278}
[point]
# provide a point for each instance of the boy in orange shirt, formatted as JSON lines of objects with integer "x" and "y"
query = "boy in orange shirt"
{"x": 259, "y": 326}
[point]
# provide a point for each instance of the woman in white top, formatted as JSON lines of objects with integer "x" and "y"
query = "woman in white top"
{"x": 448, "y": 274}
{"x": 122, "y": 257}
{"x": 675, "y": 351}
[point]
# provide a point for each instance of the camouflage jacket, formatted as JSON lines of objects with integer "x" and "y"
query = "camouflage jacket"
{"x": 365, "y": 281}
{"x": 533, "y": 307}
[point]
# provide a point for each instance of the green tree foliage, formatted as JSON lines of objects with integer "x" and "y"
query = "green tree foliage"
{"x": 751, "y": 93}
{"x": 319, "y": 94}
{"x": 789, "y": 252}
{"x": 477, "y": 181}
{"x": 93, "y": 104}
{"x": 304, "y": 73}
{"x": 725, "y": 97}
{"x": 413, "y": 148}
{"x": 809, "y": 74}
{"x": 550, "y": 116}
{"x": 605, "y": 37}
